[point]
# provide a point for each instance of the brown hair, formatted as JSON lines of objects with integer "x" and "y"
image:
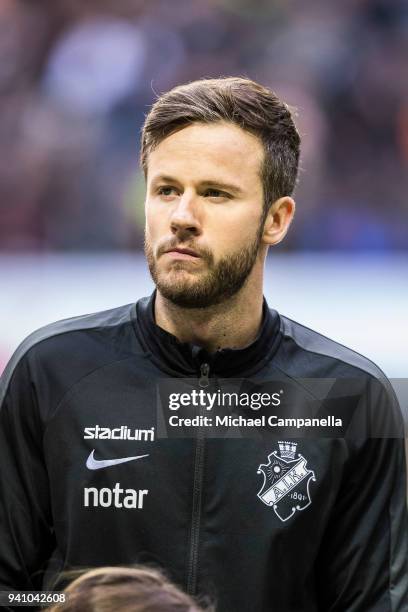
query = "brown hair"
{"x": 124, "y": 589}
{"x": 242, "y": 102}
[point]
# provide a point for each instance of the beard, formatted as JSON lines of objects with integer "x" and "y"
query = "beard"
{"x": 203, "y": 289}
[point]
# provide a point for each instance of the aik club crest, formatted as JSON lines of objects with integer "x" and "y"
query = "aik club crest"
{"x": 286, "y": 481}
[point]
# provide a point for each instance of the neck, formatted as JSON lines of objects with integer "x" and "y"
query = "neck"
{"x": 231, "y": 324}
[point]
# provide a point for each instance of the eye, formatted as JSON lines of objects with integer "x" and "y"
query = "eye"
{"x": 216, "y": 194}
{"x": 167, "y": 191}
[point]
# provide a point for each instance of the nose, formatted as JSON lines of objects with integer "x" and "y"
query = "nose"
{"x": 185, "y": 216}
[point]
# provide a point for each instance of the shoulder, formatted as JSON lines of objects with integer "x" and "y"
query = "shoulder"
{"x": 77, "y": 342}
{"x": 312, "y": 353}
{"x": 335, "y": 372}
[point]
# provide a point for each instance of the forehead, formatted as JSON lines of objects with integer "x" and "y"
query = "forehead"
{"x": 221, "y": 149}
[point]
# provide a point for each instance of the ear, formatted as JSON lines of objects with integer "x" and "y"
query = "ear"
{"x": 278, "y": 220}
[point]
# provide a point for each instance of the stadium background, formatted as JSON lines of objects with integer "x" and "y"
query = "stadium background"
{"x": 77, "y": 77}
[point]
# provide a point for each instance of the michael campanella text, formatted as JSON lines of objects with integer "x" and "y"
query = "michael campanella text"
{"x": 262, "y": 421}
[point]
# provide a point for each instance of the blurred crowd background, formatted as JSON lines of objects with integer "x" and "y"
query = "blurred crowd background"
{"x": 78, "y": 76}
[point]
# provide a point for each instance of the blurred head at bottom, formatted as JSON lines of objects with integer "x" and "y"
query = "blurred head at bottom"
{"x": 125, "y": 589}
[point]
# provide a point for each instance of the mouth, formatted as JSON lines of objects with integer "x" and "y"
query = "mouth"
{"x": 182, "y": 253}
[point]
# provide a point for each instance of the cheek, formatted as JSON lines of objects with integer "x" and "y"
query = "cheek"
{"x": 153, "y": 222}
{"x": 238, "y": 230}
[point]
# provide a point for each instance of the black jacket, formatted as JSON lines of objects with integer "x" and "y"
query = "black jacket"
{"x": 260, "y": 516}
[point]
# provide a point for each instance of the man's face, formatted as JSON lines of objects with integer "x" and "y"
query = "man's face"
{"x": 204, "y": 206}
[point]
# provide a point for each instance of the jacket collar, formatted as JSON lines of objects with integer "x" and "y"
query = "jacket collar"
{"x": 186, "y": 359}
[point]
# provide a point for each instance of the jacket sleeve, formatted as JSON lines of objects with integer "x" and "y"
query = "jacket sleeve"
{"x": 363, "y": 563}
{"x": 26, "y": 535}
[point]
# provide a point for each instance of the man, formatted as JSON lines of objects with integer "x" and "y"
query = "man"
{"x": 102, "y": 462}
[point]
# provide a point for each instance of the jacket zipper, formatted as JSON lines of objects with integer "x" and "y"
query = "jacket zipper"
{"x": 204, "y": 375}
{"x": 197, "y": 492}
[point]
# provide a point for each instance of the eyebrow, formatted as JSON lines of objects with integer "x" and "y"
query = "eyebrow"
{"x": 208, "y": 183}
{"x": 222, "y": 186}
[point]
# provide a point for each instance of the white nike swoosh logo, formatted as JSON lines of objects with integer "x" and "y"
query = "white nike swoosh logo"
{"x": 96, "y": 464}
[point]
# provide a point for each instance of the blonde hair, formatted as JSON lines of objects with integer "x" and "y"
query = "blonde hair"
{"x": 125, "y": 589}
